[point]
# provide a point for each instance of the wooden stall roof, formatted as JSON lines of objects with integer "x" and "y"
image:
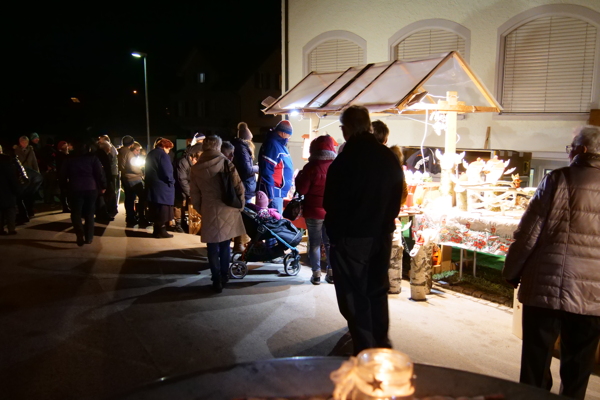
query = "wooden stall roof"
{"x": 391, "y": 87}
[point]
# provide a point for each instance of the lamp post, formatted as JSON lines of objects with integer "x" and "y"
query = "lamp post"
{"x": 139, "y": 54}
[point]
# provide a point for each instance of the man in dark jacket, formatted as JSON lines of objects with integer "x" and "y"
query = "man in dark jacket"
{"x": 362, "y": 200}
{"x": 556, "y": 258}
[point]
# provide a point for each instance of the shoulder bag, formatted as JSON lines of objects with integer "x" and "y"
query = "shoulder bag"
{"x": 294, "y": 208}
{"x": 228, "y": 194}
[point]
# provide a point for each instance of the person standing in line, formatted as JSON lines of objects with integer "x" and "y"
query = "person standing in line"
{"x": 556, "y": 259}
{"x": 160, "y": 185}
{"x": 62, "y": 153}
{"x": 182, "y": 170}
{"x": 133, "y": 185}
{"x": 361, "y": 201}
{"x": 9, "y": 189}
{"x": 126, "y": 143}
{"x": 82, "y": 174}
{"x": 26, "y": 200}
{"x": 310, "y": 182}
{"x": 243, "y": 159}
{"x": 112, "y": 184}
{"x": 219, "y": 221}
{"x": 382, "y": 133}
{"x": 275, "y": 165}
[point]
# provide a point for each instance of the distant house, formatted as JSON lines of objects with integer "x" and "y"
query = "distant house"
{"x": 215, "y": 96}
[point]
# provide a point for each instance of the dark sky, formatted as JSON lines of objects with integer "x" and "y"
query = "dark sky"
{"x": 56, "y": 52}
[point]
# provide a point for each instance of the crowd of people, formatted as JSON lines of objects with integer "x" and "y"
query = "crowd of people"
{"x": 352, "y": 198}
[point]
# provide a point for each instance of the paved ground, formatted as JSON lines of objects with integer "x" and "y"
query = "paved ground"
{"x": 98, "y": 320}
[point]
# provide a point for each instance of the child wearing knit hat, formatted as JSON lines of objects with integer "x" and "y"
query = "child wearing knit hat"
{"x": 262, "y": 208}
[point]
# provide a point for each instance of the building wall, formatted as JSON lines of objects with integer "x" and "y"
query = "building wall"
{"x": 378, "y": 20}
{"x": 252, "y": 93}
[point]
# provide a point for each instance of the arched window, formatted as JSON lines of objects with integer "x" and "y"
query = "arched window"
{"x": 334, "y": 51}
{"x": 335, "y": 55}
{"x": 429, "y": 42}
{"x": 548, "y": 60}
{"x": 429, "y": 38}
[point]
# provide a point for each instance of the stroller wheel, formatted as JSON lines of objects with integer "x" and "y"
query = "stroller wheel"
{"x": 291, "y": 264}
{"x": 238, "y": 269}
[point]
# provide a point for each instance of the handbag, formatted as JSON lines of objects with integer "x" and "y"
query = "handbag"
{"x": 294, "y": 208}
{"x": 228, "y": 194}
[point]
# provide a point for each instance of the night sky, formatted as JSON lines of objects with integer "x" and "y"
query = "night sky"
{"x": 56, "y": 52}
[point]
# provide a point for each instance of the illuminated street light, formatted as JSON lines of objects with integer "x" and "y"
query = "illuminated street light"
{"x": 144, "y": 56}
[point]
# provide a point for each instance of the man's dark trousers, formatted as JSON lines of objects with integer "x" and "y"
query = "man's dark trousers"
{"x": 579, "y": 336}
{"x": 360, "y": 270}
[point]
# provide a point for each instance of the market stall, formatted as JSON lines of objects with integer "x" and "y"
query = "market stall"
{"x": 476, "y": 210}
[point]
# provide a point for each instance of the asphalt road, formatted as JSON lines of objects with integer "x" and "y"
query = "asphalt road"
{"x": 102, "y": 319}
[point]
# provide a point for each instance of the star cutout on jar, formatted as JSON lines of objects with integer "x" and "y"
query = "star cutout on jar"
{"x": 376, "y": 384}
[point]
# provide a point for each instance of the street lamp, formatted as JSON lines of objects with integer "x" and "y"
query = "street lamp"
{"x": 139, "y": 54}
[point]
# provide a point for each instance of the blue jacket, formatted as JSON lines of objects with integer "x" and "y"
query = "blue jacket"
{"x": 275, "y": 168}
{"x": 160, "y": 183}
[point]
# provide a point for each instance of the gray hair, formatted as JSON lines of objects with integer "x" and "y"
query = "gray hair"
{"x": 227, "y": 148}
{"x": 588, "y": 136}
{"x": 212, "y": 142}
{"x": 356, "y": 120}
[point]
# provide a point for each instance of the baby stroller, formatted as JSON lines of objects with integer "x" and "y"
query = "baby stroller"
{"x": 268, "y": 240}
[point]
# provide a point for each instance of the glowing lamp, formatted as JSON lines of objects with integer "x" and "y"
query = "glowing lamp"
{"x": 374, "y": 374}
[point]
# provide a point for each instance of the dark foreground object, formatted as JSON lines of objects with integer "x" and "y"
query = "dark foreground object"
{"x": 309, "y": 376}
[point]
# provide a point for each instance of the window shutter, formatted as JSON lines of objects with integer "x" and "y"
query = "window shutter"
{"x": 549, "y": 66}
{"x": 429, "y": 42}
{"x": 335, "y": 55}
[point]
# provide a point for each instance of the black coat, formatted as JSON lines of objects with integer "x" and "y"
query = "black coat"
{"x": 82, "y": 173}
{"x": 242, "y": 159}
{"x": 363, "y": 190}
{"x": 9, "y": 184}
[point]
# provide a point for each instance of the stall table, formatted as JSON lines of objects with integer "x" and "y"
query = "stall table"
{"x": 480, "y": 232}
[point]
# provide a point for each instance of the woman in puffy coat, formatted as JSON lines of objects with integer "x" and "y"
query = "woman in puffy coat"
{"x": 219, "y": 222}
{"x": 160, "y": 186}
{"x": 310, "y": 182}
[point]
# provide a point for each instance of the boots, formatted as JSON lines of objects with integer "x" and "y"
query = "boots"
{"x": 329, "y": 276}
{"x": 163, "y": 232}
{"x": 217, "y": 286}
{"x": 315, "y": 279}
{"x": 160, "y": 232}
{"x": 177, "y": 228}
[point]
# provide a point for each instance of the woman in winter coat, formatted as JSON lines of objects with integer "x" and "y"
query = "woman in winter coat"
{"x": 84, "y": 179}
{"x": 219, "y": 222}
{"x": 160, "y": 186}
{"x": 310, "y": 182}
{"x": 243, "y": 159}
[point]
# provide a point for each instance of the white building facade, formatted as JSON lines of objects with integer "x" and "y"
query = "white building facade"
{"x": 540, "y": 59}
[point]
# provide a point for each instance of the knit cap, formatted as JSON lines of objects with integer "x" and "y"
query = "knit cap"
{"x": 243, "y": 131}
{"x": 262, "y": 201}
{"x": 284, "y": 126}
{"x": 198, "y": 137}
{"x": 34, "y": 135}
